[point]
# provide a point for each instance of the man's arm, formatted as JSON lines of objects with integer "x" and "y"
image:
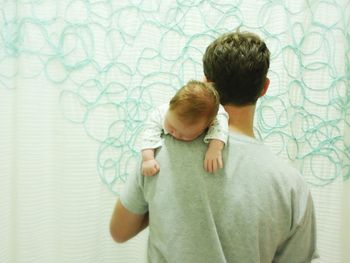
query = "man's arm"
{"x": 300, "y": 247}
{"x": 125, "y": 224}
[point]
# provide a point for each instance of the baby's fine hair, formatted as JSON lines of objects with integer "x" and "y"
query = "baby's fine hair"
{"x": 194, "y": 101}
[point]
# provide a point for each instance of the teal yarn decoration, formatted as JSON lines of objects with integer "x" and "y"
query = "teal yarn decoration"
{"x": 114, "y": 61}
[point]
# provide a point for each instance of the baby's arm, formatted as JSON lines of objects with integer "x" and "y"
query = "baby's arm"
{"x": 213, "y": 156}
{"x": 150, "y": 141}
{"x": 149, "y": 164}
{"x": 216, "y": 137}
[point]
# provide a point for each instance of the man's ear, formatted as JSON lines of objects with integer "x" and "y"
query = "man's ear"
{"x": 205, "y": 79}
{"x": 265, "y": 88}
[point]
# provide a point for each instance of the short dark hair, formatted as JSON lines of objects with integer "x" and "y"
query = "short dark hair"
{"x": 237, "y": 63}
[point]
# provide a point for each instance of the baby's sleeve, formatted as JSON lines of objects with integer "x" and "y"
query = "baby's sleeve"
{"x": 151, "y": 137}
{"x": 219, "y": 127}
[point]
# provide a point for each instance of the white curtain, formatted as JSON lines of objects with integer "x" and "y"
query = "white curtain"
{"x": 78, "y": 78}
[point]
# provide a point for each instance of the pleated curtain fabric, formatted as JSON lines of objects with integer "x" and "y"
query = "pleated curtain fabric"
{"x": 79, "y": 78}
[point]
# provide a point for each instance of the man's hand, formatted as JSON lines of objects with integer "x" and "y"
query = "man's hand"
{"x": 213, "y": 156}
{"x": 150, "y": 167}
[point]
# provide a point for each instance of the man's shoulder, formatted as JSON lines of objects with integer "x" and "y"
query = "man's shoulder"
{"x": 260, "y": 158}
{"x": 170, "y": 141}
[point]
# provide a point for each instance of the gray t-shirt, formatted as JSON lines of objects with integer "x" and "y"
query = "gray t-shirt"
{"x": 256, "y": 209}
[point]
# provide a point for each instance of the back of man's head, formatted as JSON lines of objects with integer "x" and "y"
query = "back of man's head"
{"x": 237, "y": 63}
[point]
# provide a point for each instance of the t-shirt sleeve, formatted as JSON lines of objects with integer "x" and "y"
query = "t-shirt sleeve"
{"x": 132, "y": 196}
{"x": 219, "y": 127}
{"x": 300, "y": 247}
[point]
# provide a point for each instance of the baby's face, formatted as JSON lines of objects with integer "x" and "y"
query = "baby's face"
{"x": 182, "y": 131}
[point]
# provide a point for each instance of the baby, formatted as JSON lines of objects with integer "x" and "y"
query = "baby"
{"x": 194, "y": 109}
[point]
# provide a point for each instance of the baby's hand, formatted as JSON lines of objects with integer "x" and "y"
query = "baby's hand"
{"x": 213, "y": 156}
{"x": 150, "y": 167}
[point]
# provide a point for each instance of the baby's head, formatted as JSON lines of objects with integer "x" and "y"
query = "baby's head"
{"x": 192, "y": 110}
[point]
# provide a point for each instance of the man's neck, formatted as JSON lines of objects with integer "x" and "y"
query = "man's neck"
{"x": 241, "y": 119}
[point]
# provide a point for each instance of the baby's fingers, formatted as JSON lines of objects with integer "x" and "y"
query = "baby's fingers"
{"x": 151, "y": 171}
{"x": 214, "y": 166}
{"x": 145, "y": 172}
{"x": 156, "y": 166}
{"x": 148, "y": 172}
{"x": 220, "y": 163}
{"x": 156, "y": 169}
{"x": 207, "y": 165}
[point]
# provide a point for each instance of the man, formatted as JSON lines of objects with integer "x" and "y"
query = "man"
{"x": 256, "y": 209}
